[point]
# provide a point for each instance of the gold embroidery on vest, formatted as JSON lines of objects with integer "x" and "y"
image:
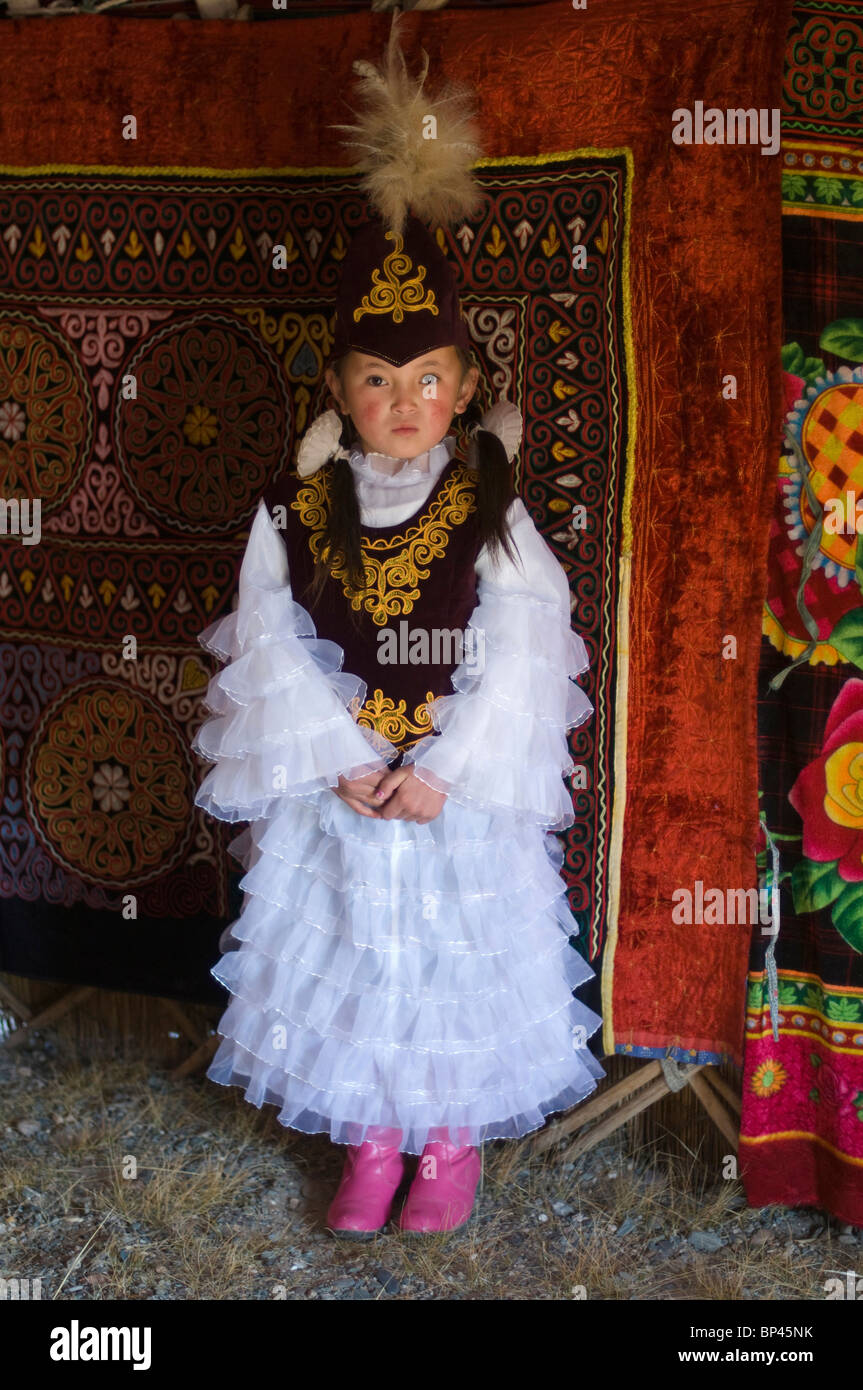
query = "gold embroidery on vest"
{"x": 391, "y": 720}
{"x": 392, "y": 581}
{"x": 391, "y": 296}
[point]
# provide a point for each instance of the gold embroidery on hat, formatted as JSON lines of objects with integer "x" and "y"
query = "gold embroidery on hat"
{"x": 392, "y": 721}
{"x": 390, "y": 296}
{"x": 392, "y": 581}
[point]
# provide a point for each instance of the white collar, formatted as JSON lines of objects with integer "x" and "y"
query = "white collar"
{"x": 413, "y": 470}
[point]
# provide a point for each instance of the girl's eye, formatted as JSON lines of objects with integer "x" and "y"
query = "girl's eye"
{"x": 370, "y": 380}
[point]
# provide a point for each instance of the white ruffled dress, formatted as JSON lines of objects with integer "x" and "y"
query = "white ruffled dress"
{"x": 386, "y": 975}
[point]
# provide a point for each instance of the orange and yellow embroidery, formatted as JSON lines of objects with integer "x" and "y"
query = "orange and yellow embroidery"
{"x": 391, "y": 295}
{"x": 393, "y": 566}
{"x": 769, "y": 1078}
{"x": 391, "y": 720}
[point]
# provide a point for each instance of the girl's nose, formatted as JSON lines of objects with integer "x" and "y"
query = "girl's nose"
{"x": 405, "y": 397}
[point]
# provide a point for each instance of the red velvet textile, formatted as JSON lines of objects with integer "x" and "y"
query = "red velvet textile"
{"x": 695, "y": 236}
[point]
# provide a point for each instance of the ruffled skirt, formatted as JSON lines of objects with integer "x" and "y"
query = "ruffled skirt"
{"x": 416, "y": 979}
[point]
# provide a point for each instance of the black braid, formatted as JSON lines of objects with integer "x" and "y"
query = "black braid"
{"x": 495, "y": 490}
{"x": 341, "y": 534}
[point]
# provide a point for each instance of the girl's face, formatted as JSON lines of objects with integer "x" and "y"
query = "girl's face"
{"x": 403, "y": 411}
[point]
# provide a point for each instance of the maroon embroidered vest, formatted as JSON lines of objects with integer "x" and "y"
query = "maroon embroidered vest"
{"x": 421, "y": 591}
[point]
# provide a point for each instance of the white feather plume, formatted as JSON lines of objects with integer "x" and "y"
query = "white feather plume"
{"x": 405, "y": 170}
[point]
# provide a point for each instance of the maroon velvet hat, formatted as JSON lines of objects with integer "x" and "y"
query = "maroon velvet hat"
{"x": 398, "y": 297}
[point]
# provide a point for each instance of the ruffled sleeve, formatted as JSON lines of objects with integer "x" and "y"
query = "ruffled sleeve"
{"x": 282, "y": 726}
{"x": 502, "y": 741}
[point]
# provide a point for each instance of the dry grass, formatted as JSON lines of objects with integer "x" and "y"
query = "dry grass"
{"x": 139, "y": 1187}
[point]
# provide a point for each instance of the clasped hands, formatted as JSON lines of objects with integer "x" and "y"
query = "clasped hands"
{"x": 396, "y": 795}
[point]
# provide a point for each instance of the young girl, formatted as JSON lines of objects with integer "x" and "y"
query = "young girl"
{"x": 392, "y": 722}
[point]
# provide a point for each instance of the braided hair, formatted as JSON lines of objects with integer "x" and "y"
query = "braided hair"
{"x": 495, "y": 492}
{"x": 494, "y": 486}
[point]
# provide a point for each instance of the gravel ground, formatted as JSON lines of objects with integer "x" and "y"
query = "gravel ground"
{"x": 118, "y": 1182}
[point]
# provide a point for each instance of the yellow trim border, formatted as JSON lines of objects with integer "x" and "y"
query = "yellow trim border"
{"x": 625, "y": 560}
{"x": 802, "y": 1134}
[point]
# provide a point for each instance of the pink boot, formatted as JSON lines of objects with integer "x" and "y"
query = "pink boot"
{"x": 371, "y": 1176}
{"x": 442, "y": 1200}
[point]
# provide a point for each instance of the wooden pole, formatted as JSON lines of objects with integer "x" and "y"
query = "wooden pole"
{"x": 198, "y": 1059}
{"x": 716, "y": 1110}
{"x": 600, "y": 1104}
{"x": 16, "y": 1005}
{"x": 655, "y": 1091}
{"x": 61, "y": 1006}
{"x": 598, "y": 1107}
{"x": 650, "y": 1082}
{"x": 183, "y": 1022}
{"x": 727, "y": 1092}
